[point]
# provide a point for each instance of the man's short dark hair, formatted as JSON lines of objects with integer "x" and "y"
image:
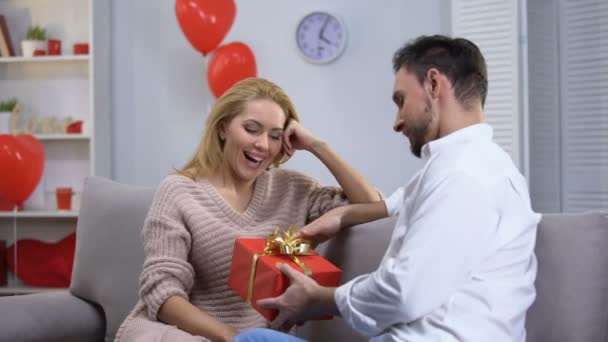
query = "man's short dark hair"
{"x": 457, "y": 58}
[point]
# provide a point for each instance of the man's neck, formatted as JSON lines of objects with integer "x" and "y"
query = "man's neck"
{"x": 460, "y": 118}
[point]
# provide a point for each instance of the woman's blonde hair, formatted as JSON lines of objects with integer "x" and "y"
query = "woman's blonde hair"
{"x": 208, "y": 157}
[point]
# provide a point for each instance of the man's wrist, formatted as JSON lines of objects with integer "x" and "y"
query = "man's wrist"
{"x": 325, "y": 300}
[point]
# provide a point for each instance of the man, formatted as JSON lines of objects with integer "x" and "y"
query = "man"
{"x": 460, "y": 265}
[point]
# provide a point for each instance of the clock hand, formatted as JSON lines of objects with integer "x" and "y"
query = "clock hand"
{"x": 321, "y": 36}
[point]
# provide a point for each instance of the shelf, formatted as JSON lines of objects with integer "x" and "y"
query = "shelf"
{"x": 50, "y": 137}
{"x": 28, "y": 290}
{"x": 66, "y": 58}
{"x": 40, "y": 214}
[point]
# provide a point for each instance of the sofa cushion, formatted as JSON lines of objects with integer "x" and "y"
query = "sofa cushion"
{"x": 572, "y": 280}
{"x": 357, "y": 250}
{"x": 109, "y": 252}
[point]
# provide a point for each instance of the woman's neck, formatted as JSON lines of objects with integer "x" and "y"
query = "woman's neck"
{"x": 226, "y": 180}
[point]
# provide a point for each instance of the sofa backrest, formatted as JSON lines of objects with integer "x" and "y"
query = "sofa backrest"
{"x": 109, "y": 253}
{"x": 572, "y": 281}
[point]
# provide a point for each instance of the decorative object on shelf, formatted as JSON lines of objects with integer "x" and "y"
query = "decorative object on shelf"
{"x": 64, "y": 198}
{"x": 205, "y": 23}
{"x": 43, "y": 264}
{"x": 46, "y": 125}
{"x": 321, "y": 37}
{"x": 74, "y": 128}
{"x": 3, "y": 264}
{"x": 6, "y": 110}
{"x": 229, "y": 64}
{"x": 81, "y": 49}
{"x": 34, "y": 40}
{"x": 6, "y": 44}
{"x": 54, "y": 47}
{"x": 39, "y": 52}
{"x": 22, "y": 160}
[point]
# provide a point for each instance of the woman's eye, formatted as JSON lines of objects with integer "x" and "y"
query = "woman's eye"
{"x": 276, "y": 137}
{"x": 250, "y": 130}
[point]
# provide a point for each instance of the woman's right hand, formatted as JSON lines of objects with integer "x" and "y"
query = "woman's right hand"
{"x": 298, "y": 137}
{"x": 325, "y": 227}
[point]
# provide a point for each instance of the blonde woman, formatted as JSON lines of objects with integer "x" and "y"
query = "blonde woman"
{"x": 231, "y": 188}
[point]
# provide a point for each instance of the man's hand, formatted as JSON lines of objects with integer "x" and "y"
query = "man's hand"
{"x": 304, "y": 299}
{"x": 325, "y": 227}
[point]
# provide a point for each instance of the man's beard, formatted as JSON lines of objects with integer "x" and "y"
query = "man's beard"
{"x": 417, "y": 133}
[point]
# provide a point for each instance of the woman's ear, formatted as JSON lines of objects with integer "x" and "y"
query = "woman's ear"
{"x": 221, "y": 130}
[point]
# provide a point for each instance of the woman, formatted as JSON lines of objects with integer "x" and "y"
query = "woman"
{"x": 231, "y": 188}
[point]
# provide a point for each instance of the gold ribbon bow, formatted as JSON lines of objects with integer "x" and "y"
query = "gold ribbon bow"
{"x": 282, "y": 243}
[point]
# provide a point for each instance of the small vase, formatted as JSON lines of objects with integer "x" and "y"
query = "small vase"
{"x": 29, "y": 46}
{"x": 5, "y": 122}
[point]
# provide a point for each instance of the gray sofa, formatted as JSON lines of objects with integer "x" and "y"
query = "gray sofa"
{"x": 572, "y": 283}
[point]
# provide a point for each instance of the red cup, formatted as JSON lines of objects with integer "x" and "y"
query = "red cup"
{"x": 54, "y": 47}
{"x": 81, "y": 49}
{"x": 64, "y": 198}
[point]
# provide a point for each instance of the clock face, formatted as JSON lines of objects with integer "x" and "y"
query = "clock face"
{"x": 321, "y": 37}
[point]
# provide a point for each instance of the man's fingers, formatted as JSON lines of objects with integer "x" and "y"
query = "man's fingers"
{"x": 269, "y": 303}
{"x": 278, "y": 321}
{"x": 291, "y": 273}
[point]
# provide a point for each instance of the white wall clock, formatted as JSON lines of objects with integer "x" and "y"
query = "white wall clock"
{"x": 321, "y": 37}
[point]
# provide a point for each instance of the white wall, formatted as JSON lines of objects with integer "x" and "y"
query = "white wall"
{"x": 161, "y": 95}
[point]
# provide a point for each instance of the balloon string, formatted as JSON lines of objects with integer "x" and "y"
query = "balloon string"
{"x": 15, "y": 257}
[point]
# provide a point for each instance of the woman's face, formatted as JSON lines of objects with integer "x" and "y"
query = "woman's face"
{"x": 253, "y": 139}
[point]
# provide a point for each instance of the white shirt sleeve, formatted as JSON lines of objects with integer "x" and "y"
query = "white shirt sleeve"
{"x": 394, "y": 202}
{"x": 448, "y": 230}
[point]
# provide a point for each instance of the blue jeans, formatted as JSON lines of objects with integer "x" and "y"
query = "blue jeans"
{"x": 265, "y": 335}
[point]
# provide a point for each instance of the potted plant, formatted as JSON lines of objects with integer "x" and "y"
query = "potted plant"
{"x": 34, "y": 40}
{"x": 6, "y": 109}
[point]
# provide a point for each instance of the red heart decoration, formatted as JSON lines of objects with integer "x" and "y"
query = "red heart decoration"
{"x": 22, "y": 160}
{"x": 205, "y": 22}
{"x": 43, "y": 264}
{"x": 229, "y": 64}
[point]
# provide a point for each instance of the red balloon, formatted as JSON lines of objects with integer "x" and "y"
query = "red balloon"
{"x": 205, "y": 22}
{"x": 22, "y": 163}
{"x": 229, "y": 64}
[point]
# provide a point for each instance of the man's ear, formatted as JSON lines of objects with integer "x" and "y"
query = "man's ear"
{"x": 433, "y": 76}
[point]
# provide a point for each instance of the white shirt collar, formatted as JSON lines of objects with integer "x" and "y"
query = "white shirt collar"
{"x": 480, "y": 131}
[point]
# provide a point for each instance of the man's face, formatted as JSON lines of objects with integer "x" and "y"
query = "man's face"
{"x": 416, "y": 116}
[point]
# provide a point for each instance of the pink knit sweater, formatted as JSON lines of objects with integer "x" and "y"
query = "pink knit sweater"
{"x": 188, "y": 238}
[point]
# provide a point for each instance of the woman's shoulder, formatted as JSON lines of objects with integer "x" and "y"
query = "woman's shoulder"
{"x": 175, "y": 183}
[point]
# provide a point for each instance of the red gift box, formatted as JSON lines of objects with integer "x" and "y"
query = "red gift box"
{"x": 269, "y": 281}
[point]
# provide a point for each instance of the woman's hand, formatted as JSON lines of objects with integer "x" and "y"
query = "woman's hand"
{"x": 297, "y": 137}
{"x": 325, "y": 227}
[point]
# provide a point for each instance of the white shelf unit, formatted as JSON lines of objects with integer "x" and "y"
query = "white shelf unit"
{"x": 59, "y": 137}
{"x": 40, "y": 214}
{"x": 59, "y": 86}
{"x": 38, "y": 59}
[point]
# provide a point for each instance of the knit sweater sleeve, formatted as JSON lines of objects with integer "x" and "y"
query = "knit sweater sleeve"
{"x": 167, "y": 242}
{"x": 320, "y": 199}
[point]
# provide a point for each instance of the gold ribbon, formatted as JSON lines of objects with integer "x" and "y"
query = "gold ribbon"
{"x": 281, "y": 243}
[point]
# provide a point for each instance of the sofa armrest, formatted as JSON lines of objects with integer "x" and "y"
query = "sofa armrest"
{"x": 50, "y": 316}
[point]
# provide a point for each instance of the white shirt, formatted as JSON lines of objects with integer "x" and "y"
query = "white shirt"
{"x": 460, "y": 265}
